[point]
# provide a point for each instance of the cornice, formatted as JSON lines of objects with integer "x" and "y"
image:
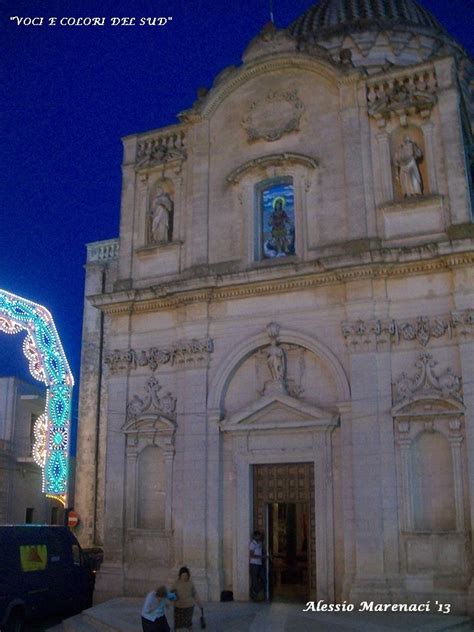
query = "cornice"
{"x": 269, "y": 161}
{"x": 263, "y": 66}
{"x": 214, "y": 288}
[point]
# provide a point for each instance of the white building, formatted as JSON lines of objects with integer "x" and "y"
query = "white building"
{"x": 282, "y": 336}
{"x": 21, "y": 497}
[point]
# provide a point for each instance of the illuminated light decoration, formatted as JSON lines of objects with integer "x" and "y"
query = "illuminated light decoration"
{"x": 61, "y": 499}
{"x": 48, "y": 364}
{"x": 40, "y": 432}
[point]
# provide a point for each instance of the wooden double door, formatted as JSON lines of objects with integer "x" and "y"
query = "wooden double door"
{"x": 283, "y": 504}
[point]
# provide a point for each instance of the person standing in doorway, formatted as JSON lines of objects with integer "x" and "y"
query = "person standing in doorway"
{"x": 257, "y": 580}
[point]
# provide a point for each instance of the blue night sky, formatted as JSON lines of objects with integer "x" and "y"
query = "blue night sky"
{"x": 71, "y": 93}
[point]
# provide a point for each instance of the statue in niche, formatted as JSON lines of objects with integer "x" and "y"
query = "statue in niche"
{"x": 161, "y": 213}
{"x": 276, "y": 361}
{"x": 406, "y": 160}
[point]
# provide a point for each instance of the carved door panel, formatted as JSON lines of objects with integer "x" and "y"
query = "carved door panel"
{"x": 285, "y": 493}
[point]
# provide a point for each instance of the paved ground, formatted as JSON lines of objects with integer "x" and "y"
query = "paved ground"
{"x": 123, "y": 615}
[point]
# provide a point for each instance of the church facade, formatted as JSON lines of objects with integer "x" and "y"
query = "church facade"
{"x": 282, "y": 337}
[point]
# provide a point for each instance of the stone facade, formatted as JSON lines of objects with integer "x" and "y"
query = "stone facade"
{"x": 332, "y": 326}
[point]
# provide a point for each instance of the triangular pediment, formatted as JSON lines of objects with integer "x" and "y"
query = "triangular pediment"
{"x": 278, "y": 412}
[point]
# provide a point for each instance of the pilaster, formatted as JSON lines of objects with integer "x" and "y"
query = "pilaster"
{"x": 89, "y": 414}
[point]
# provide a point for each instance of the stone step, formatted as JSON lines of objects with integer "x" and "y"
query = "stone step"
{"x": 123, "y": 615}
{"x": 77, "y": 624}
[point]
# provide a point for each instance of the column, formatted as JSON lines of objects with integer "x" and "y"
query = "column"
{"x": 388, "y": 472}
{"x": 453, "y": 144}
{"x": 456, "y": 443}
{"x": 169, "y": 458}
{"x": 192, "y": 416}
{"x": 197, "y": 241}
{"x": 465, "y": 334}
{"x": 406, "y": 479}
{"x": 428, "y": 132}
{"x": 110, "y": 579}
{"x": 347, "y": 496}
{"x": 323, "y": 505}
{"x": 127, "y": 213}
{"x": 353, "y": 163}
{"x": 242, "y": 526}
{"x": 374, "y": 471}
{"x": 88, "y": 428}
{"x": 383, "y": 141}
{"x": 214, "y": 506}
{"x": 131, "y": 478}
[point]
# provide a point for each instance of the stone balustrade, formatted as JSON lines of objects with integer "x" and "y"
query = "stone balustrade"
{"x": 167, "y": 146}
{"x": 401, "y": 90}
{"x": 103, "y": 251}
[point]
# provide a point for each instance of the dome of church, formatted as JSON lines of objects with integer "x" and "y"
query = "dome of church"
{"x": 376, "y": 31}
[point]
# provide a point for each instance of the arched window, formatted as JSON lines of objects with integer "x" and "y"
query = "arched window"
{"x": 151, "y": 493}
{"x": 433, "y": 483}
{"x": 275, "y": 219}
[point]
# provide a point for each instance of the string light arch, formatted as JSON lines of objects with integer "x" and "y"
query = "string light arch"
{"x": 48, "y": 364}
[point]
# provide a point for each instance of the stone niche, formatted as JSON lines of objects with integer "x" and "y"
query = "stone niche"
{"x": 429, "y": 429}
{"x": 307, "y": 378}
{"x": 411, "y": 213}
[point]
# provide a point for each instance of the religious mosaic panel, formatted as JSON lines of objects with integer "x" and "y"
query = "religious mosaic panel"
{"x": 277, "y": 210}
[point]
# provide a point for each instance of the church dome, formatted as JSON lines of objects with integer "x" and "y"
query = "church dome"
{"x": 376, "y": 31}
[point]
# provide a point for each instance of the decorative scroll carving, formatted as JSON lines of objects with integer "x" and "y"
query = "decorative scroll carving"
{"x": 363, "y": 335}
{"x": 464, "y": 323}
{"x": 161, "y": 150}
{"x": 422, "y": 329}
{"x": 426, "y": 382}
{"x": 151, "y": 404}
{"x": 402, "y": 94}
{"x": 269, "y": 119}
{"x": 192, "y": 352}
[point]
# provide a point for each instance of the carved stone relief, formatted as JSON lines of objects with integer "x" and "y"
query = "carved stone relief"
{"x": 160, "y": 217}
{"x": 152, "y": 404}
{"x": 183, "y": 353}
{"x": 426, "y": 382}
{"x": 408, "y": 175}
{"x": 364, "y": 335}
{"x": 272, "y": 117}
{"x": 401, "y": 95}
{"x": 464, "y": 323}
{"x": 279, "y": 367}
{"x": 161, "y": 150}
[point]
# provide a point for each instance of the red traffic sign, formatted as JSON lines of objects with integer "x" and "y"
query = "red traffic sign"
{"x": 72, "y": 519}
